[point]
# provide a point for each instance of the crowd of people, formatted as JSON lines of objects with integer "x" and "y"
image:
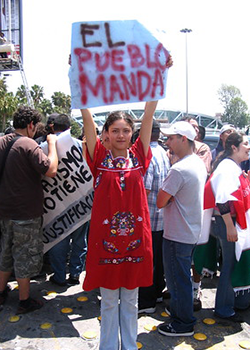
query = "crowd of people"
{"x": 142, "y": 242}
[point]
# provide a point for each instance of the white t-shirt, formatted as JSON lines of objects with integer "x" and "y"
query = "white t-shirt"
{"x": 183, "y": 216}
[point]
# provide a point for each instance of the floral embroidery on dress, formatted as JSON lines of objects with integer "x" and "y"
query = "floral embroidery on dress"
{"x": 122, "y": 224}
{"x": 117, "y": 261}
{"x": 107, "y": 161}
{"x": 122, "y": 181}
{"x": 98, "y": 179}
{"x": 134, "y": 244}
{"x": 110, "y": 247}
{"x": 120, "y": 162}
{"x": 134, "y": 160}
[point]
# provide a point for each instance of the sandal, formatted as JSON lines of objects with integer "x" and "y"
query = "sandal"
{"x": 33, "y": 305}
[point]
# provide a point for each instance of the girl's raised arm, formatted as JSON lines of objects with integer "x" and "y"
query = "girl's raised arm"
{"x": 146, "y": 125}
{"x": 150, "y": 107}
{"x": 89, "y": 131}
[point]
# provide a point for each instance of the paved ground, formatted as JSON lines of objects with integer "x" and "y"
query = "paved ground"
{"x": 70, "y": 331}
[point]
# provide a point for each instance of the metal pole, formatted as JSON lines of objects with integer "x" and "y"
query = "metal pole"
{"x": 186, "y": 31}
{"x": 9, "y": 20}
{"x": 186, "y": 78}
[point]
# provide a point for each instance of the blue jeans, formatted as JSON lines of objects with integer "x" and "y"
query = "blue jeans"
{"x": 77, "y": 242}
{"x": 177, "y": 260}
{"x": 224, "y": 301}
{"x": 118, "y": 317}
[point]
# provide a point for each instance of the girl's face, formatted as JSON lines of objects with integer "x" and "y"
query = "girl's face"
{"x": 119, "y": 134}
{"x": 241, "y": 153}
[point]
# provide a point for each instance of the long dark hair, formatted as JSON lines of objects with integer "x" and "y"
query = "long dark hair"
{"x": 234, "y": 139}
{"x": 113, "y": 116}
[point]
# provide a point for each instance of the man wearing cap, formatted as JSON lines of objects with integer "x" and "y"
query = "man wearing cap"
{"x": 200, "y": 148}
{"x": 225, "y": 131}
{"x": 153, "y": 179}
{"x": 203, "y": 151}
{"x": 181, "y": 196}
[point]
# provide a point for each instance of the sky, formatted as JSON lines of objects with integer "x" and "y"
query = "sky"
{"x": 217, "y": 48}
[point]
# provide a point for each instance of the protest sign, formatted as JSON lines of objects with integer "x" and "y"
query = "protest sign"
{"x": 68, "y": 197}
{"x": 115, "y": 62}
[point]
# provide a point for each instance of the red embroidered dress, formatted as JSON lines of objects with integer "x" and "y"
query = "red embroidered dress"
{"x": 119, "y": 245}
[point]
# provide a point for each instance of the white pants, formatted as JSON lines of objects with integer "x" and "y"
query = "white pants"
{"x": 119, "y": 312}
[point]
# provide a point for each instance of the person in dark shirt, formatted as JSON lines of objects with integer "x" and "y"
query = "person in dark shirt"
{"x": 21, "y": 205}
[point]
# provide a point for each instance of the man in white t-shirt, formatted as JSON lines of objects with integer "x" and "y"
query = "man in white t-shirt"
{"x": 181, "y": 196}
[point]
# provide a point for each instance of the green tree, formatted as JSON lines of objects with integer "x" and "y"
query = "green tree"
{"x": 37, "y": 95}
{"x": 61, "y": 102}
{"x": 8, "y": 104}
{"x": 45, "y": 107}
{"x": 21, "y": 95}
{"x": 235, "y": 109}
{"x": 75, "y": 129}
{"x": 3, "y": 86}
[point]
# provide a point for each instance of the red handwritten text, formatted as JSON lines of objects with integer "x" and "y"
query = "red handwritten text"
{"x": 139, "y": 84}
{"x": 121, "y": 72}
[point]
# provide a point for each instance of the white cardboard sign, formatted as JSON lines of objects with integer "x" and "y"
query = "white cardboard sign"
{"x": 68, "y": 197}
{"x": 115, "y": 62}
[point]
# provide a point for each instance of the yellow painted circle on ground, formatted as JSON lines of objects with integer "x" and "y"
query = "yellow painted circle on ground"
{"x": 90, "y": 335}
{"x": 139, "y": 345}
{"x": 51, "y": 293}
{"x": 66, "y": 310}
{"x": 184, "y": 346}
{"x": 14, "y": 318}
{"x": 82, "y": 298}
{"x": 209, "y": 321}
{"x": 46, "y": 325}
{"x": 200, "y": 336}
{"x": 99, "y": 318}
{"x": 150, "y": 327}
{"x": 164, "y": 314}
{"x": 245, "y": 344}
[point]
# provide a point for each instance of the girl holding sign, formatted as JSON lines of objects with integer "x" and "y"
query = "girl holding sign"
{"x": 119, "y": 258}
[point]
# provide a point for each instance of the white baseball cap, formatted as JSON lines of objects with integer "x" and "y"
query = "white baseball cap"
{"x": 182, "y": 128}
{"x": 226, "y": 127}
